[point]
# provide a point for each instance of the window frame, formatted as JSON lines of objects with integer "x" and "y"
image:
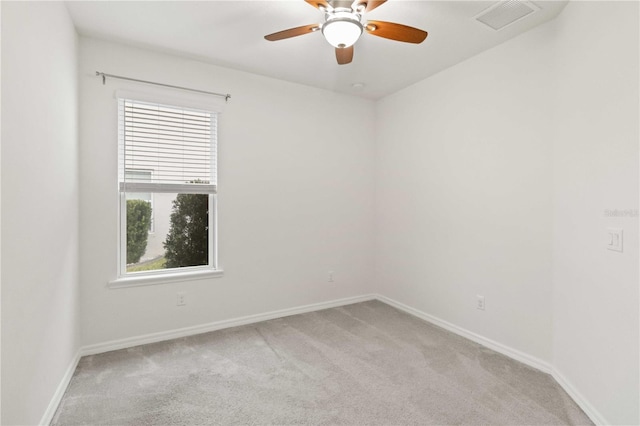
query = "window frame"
{"x": 161, "y": 276}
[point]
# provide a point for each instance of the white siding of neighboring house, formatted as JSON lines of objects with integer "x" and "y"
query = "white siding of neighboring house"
{"x": 161, "y": 214}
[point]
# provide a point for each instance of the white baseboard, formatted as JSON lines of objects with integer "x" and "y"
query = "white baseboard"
{"x": 217, "y": 325}
{"x": 527, "y": 359}
{"x": 491, "y": 344}
{"x": 582, "y": 402}
{"x": 60, "y": 390}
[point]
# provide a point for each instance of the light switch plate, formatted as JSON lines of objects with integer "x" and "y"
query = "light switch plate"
{"x": 614, "y": 239}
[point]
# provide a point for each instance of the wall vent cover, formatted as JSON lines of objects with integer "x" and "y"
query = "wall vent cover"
{"x": 505, "y": 13}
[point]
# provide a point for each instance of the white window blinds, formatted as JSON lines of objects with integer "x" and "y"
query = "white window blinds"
{"x": 176, "y": 145}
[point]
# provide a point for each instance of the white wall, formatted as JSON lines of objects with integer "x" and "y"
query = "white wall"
{"x": 596, "y": 315}
{"x": 464, "y": 195}
{"x": 295, "y": 197}
{"x": 493, "y": 177}
{"x": 40, "y": 328}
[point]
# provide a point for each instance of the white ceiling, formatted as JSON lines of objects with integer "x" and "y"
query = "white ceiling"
{"x": 231, "y": 34}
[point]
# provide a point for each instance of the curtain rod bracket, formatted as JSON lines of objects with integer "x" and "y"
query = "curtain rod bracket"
{"x": 104, "y": 78}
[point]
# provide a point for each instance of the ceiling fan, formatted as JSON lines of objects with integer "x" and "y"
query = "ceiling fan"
{"x": 343, "y": 25}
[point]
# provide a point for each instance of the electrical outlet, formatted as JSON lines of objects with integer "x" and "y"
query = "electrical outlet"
{"x": 181, "y": 299}
{"x": 614, "y": 239}
{"x": 480, "y": 302}
{"x": 330, "y": 278}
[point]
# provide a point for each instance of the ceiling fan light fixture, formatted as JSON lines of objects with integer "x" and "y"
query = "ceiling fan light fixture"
{"x": 344, "y": 24}
{"x": 342, "y": 32}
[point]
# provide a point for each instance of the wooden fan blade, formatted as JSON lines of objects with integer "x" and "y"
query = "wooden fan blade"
{"x": 372, "y": 4}
{"x": 319, "y": 4}
{"x": 344, "y": 55}
{"x": 396, "y": 32}
{"x": 292, "y": 32}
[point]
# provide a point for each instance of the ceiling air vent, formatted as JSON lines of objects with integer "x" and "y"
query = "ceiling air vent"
{"x": 505, "y": 13}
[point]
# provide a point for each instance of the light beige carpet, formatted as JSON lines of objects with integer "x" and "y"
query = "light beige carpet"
{"x": 362, "y": 364}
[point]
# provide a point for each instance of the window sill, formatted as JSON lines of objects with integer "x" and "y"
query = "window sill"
{"x": 154, "y": 279}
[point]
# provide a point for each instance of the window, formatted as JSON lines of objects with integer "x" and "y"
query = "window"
{"x": 167, "y": 187}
